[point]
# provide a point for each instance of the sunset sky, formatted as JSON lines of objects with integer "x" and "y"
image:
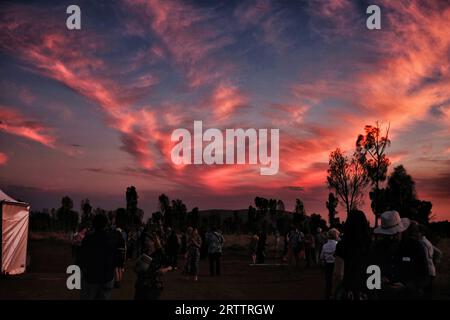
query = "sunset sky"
{"x": 88, "y": 112}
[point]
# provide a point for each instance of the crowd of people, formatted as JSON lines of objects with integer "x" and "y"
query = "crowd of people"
{"x": 399, "y": 247}
{"x": 101, "y": 253}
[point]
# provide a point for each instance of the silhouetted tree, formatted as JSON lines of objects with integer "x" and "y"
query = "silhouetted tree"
{"x": 332, "y": 204}
{"x": 194, "y": 218}
{"x": 86, "y": 216}
{"x": 316, "y": 221}
{"x": 402, "y": 197}
{"x": 383, "y": 200}
{"x": 135, "y": 215}
{"x": 68, "y": 218}
{"x": 299, "y": 211}
{"x": 165, "y": 209}
{"x": 132, "y": 199}
{"x": 122, "y": 218}
{"x": 262, "y": 205}
{"x": 280, "y": 206}
{"x": 40, "y": 220}
{"x": 179, "y": 211}
{"x": 348, "y": 178}
{"x": 402, "y": 191}
{"x": 423, "y": 211}
{"x": 251, "y": 221}
{"x": 371, "y": 148}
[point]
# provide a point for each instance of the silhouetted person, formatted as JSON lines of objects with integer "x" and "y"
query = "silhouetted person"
{"x": 327, "y": 256}
{"x": 77, "y": 240}
{"x": 401, "y": 258}
{"x": 295, "y": 240}
{"x": 309, "y": 249}
{"x": 261, "y": 250}
{"x": 150, "y": 269}
{"x": 173, "y": 249}
{"x": 352, "y": 254}
{"x": 433, "y": 255}
{"x": 194, "y": 243}
{"x": 320, "y": 239}
{"x": 253, "y": 247}
{"x": 214, "y": 239}
{"x": 183, "y": 249}
{"x": 131, "y": 244}
{"x": 121, "y": 252}
{"x": 98, "y": 261}
{"x": 204, "y": 248}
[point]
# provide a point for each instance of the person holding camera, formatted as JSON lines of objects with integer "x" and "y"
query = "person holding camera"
{"x": 150, "y": 268}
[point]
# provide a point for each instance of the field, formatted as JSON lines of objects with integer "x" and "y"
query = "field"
{"x": 50, "y": 256}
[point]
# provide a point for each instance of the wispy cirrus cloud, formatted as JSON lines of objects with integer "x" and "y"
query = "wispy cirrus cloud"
{"x": 160, "y": 65}
{"x": 268, "y": 22}
{"x": 52, "y": 54}
{"x": 189, "y": 35}
{"x": 15, "y": 123}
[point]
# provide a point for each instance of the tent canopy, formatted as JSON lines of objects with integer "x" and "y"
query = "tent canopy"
{"x": 14, "y": 234}
{"x": 4, "y": 197}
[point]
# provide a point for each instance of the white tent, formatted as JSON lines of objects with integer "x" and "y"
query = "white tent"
{"x": 14, "y": 234}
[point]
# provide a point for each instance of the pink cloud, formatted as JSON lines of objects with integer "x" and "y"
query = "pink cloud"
{"x": 13, "y": 122}
{"x": 189, "y": 35}
{"x": 393, "y": 88}
{"x": 53, "y": 55}
{"x": 270, "y": 22}
{"x": 226, "y": 99}
{"x": 3, "y": 159}
{"x": 333, "y": 18}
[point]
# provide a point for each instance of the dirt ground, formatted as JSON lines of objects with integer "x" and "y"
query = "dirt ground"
{"x": 46, "y": 279}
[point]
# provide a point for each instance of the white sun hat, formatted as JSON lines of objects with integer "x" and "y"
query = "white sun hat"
{"x": 391, "y": 223}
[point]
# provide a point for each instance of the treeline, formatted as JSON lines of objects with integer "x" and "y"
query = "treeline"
{"x": 267, "y": 215}
{"x": 350, "y": 179}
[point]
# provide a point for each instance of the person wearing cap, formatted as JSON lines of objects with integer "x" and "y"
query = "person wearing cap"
{"x": 327, "y": 256}
{"x": 401, "y": 258}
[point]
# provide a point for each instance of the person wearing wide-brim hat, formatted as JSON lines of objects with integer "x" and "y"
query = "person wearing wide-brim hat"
{"x": 392, "y": 224}
{"x": 400, "y": 257}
